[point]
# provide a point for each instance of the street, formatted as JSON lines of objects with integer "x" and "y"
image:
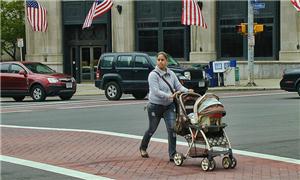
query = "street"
{"x": 264, "y": 122}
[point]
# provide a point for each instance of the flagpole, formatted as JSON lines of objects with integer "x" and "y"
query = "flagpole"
{"x": 298, "y": 29}
{"x": 45, "y": 50}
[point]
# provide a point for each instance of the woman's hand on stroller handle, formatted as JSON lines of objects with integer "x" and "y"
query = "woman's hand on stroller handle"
{"x": 190, "y": 90}
{"x": 174, "y": 95}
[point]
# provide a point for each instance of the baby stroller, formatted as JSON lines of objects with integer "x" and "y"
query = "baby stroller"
{"x": 199, "y": 122}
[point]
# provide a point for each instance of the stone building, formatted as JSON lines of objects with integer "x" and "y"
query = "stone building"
{"x": 153, "y": 26}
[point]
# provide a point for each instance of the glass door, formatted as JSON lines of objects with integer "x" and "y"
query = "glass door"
{"x": 89, "y": 57}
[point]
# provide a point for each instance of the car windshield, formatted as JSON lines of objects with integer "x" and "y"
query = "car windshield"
{"x": 171, "y": 60}
{"x": 39, "y": 68}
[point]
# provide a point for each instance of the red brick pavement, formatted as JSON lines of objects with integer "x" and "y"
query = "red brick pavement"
{"x": 118, "y": 158}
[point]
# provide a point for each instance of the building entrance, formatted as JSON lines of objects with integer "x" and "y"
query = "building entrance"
{"x": 89, "y": 57}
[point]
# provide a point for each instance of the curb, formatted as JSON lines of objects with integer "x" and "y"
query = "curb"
{"x": 95, "y": 91}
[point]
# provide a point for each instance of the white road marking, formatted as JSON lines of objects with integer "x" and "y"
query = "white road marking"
{"x": 100, "y": 105}
{"x": 71, "y": 105}
{"x": 51, "y": 168}
{"x": 240, "y": 152}
{"x": 14, "y": 111}
{"x": 252, "y": 95}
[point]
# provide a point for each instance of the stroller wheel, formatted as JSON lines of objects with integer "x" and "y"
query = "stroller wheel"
{"x": 233, "y": 162}
{"x": 178, "y": 159}
{"x": 205, "y": 164}
{"x": 212, "y": 165}
{"x": 226, "y": 162}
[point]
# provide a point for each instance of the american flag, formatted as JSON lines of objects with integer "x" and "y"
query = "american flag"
{"x": 296, "y": 4}
{"x": 36, "y": 15}
{"x": 97, "y": 9}
{"x": 191, "y": 14}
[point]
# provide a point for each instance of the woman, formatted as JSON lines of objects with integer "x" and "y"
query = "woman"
{"x": 161, "y": 103}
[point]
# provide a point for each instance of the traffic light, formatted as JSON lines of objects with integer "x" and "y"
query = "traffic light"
{"x": 242, "y": 28}
{"x": 258, "y": 28}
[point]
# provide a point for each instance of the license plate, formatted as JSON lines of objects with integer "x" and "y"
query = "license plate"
{"x": 201, "y": 84}
{"x": 69, "y": 85}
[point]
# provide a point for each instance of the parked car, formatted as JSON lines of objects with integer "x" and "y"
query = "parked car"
{"x": 20, "y": 79}
{"x": 291, "y": 80}
{"x": 127, "y": 73}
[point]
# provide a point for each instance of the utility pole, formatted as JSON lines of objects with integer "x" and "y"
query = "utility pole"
{"x": 251, "y": 43}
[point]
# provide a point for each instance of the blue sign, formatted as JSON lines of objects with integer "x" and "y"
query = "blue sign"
{"x": 259, "y": 5}
{"x": 254, "y": 1}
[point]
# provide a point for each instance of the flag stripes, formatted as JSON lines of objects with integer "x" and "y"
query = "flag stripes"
{"x": 36, "y": 15}
{"x": 98, "y": 8}
{"x": 296, "y": 4}
{"x": 191, "y": 14}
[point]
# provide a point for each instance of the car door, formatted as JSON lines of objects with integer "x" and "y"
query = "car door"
{"x": 18, "y": 83}
{"x": 141, "y": 70}
{"x": 4, "y": 78}
{"x": 123, "y": 68}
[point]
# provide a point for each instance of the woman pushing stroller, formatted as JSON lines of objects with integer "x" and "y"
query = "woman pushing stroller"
{"x": 163, "y": 87}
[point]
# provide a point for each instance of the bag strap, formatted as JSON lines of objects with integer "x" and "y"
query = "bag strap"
{"x": 165, "y": 81}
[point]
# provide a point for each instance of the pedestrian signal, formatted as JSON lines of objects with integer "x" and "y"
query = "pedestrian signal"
{"x": 242, "y": 28}
{"x": 258, "y": 28}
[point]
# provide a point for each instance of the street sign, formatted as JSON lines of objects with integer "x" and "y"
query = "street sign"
{"x": 20, "y": 42}
{"x": 251, "y": 40}
{"x": 254, "y": 1}
{"x": 259, "y": 5}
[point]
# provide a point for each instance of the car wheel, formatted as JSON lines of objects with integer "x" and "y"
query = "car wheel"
{"x": 18, "y": 98}
{"x": 139, "y": 95}
{"x": 298, "y": 89}
{"x": 113, "y": 91}
{"x": 38, "y": 93}
{"x": 66, "y": 97}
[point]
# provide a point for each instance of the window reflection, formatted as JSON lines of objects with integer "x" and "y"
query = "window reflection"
{"x": 148, "y": 41}
{"x": 174, "y": 42}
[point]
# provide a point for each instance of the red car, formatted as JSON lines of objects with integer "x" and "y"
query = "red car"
{"x": 20, "y": 79}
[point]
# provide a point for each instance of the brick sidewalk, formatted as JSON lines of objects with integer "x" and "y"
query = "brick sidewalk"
{"x": 118, "y": 158}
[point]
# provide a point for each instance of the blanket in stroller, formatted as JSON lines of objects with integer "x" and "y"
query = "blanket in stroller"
{"x": 208, "y": 110}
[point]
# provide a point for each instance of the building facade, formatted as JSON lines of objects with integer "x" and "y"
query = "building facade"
{"x": 153, "y": 26}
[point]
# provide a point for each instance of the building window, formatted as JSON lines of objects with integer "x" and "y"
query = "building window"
{"x": 174, "y": 42}
{"x": 232, "y": 44}
{"x": 159, "y": 28}
{"x": 148, "y": 40}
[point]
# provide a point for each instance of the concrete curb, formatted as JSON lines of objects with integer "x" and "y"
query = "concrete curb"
{"x": 262, "y": 84}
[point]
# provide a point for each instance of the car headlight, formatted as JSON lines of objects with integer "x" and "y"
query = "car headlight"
{"x": 52, "y": 80}
{"x": 181, "y": 77}
{"x": 204, "y": 75}
{"x": 187, "y": 74}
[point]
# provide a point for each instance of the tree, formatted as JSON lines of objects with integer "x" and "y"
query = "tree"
{"x": 12, "y": 25}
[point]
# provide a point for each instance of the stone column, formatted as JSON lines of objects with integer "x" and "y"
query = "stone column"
{"x": 46, "y": 47}
{"x": 123, "y": 26}
{"x": 289, "y": 32}
{"x": 203, "y": 41}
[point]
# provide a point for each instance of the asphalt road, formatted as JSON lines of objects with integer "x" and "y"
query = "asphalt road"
{"x": 17, "y": 172}
{"x": 265, "y": 121}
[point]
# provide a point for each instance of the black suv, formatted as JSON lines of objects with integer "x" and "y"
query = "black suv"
{"x": 127, "y": 73}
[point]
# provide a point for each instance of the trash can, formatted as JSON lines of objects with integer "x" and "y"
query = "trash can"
{"x": 237, "y": 75}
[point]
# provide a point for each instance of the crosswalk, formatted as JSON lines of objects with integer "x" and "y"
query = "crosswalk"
{"x": 10, "y": 107}
{"x": 81, "y": 102}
